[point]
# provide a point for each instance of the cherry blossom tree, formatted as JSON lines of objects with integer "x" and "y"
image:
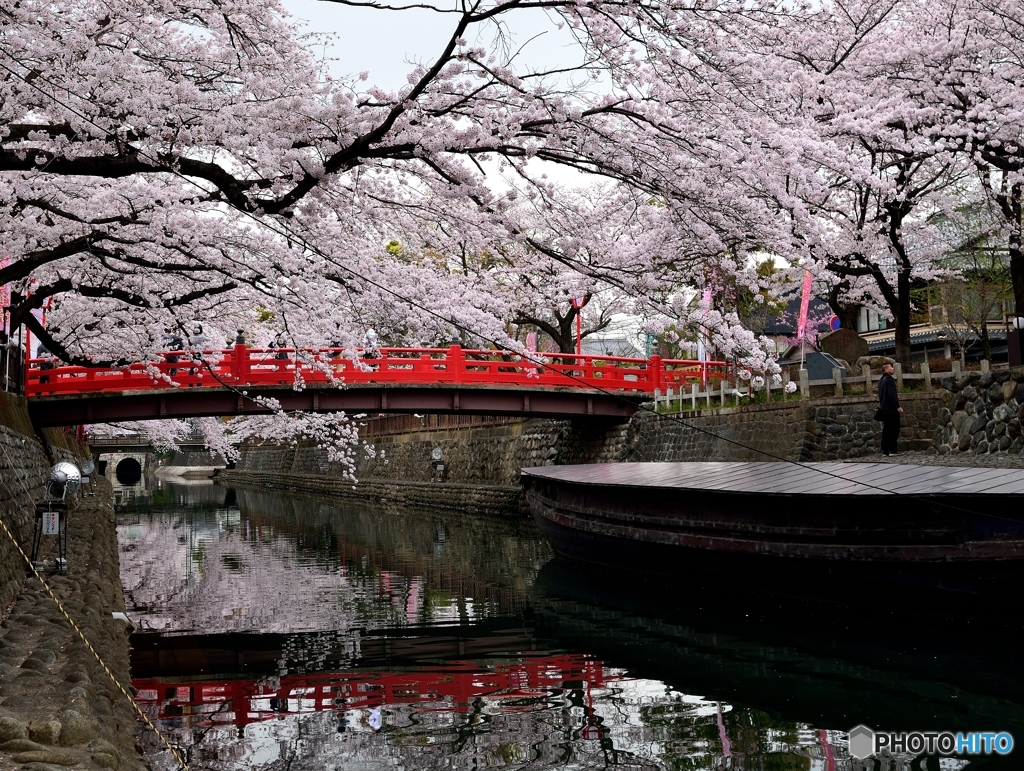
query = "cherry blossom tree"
{"x": 951, "y": 83}
{"x": 167, "y": 163}
{"x": 970, "y": 78}
{"x": 869, "y": 176}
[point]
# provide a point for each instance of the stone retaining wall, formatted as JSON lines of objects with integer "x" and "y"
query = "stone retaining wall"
{"x": 985, "y": 414}
{"x": 58, "y": 707}
{"x": 481, "y": 465}
{"x": 491, "y": 499}
{"x": 24, "y": 469}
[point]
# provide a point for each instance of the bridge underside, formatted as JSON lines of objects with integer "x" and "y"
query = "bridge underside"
{"x": 210, "y": 401}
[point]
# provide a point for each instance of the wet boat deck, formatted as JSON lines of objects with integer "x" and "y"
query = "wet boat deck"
{"x": 838, "y": 478}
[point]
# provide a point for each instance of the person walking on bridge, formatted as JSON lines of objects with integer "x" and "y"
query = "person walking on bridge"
{"x": 197, "y": 342}
{"x": 371, "y": 344}
{"x": 889, "y": 410}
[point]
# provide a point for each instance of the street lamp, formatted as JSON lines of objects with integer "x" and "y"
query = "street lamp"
{"x": 578, "y": 303}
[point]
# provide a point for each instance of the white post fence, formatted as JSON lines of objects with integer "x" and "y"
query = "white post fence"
{"x": 863, "y": 382}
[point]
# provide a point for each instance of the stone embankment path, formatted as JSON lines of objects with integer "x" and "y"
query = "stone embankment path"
{"x": 59, "y": 708}
{"x": 970, "y": 460}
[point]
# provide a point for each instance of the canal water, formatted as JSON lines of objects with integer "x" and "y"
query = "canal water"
{"x": 281, "y": 632}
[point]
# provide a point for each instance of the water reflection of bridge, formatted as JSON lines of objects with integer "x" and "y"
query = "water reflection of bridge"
{"x": 459, "y": 693}
{"x": 455, "y": 687}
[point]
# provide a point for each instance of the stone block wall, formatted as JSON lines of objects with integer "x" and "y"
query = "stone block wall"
{"x": 845, "y": 427}
{"x": 58, "y": 706}
{"x": 833, "y": 428}
{"x": 488, "y": 456}
{"x": 24, "y": 469}
{"x": 482, "y": 464}
{"x": 984, "y": 416}
{"x": 755, "y": 433}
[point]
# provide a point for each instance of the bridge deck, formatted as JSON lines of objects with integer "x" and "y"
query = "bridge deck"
{"x": 536, "y": 402}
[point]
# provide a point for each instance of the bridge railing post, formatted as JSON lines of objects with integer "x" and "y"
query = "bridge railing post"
{"x": 456, "y": 360}
{"x": 657, "y": 372}
{"x": 240, "y": 364}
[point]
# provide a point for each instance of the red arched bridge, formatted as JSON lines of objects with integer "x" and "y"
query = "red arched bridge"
{"x": 241, "y": 380}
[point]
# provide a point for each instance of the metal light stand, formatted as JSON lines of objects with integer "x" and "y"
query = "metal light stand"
{"x": 52, "y": 514}
{"x": 51, "y": 519}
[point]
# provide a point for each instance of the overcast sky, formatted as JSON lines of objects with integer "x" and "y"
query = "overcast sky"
{"x": 385, "y": 43}
{"x": 388, "y": 44}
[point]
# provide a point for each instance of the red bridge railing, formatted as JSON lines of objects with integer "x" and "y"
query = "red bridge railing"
{"x": 452, "y": 688}
{"x": 242, "y": 366}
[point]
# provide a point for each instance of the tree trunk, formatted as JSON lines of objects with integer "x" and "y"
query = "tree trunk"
{"x": 847, "y": 313}
{"x": 562, "y": 332}
{"x": 1017, "y": 277}
{"x": 1009, "y": 200}
{"x": 901, "y": 319}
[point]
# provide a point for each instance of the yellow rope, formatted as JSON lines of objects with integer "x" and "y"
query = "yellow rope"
{"x": 60, "y": 607}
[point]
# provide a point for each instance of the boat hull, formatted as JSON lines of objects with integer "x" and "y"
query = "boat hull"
{"x": 667, "y": 528}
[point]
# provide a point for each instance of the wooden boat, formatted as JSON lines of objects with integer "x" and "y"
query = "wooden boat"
{"x": 667, "y": 517}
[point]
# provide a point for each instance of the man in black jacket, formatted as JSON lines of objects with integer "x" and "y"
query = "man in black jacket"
{"x": 889, "y": 410}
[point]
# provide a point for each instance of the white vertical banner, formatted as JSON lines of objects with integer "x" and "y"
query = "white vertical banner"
{"x": 5, "y": 294}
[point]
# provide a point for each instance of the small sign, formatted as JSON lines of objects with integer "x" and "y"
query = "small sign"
{"x": 51, "y": 522}
{"x": 834, "y": 323}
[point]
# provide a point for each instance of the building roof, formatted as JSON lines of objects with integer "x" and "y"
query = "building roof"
{"x": 922, "y": 334}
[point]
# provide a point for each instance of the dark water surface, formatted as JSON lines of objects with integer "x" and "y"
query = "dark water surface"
{"x": 282, "y": 632}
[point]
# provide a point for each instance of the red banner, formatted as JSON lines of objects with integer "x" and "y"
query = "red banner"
{"x": 805, "y": 301}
